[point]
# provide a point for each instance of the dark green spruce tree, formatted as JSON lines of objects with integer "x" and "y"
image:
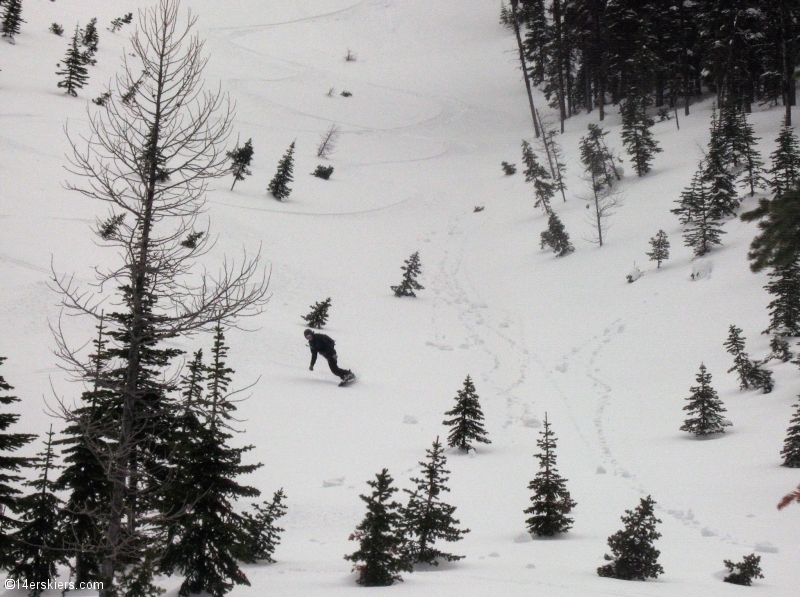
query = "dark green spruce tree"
{"x": 73, "y": 69}
{"x": 10, "y": 467}
{"x": 551, "y": 499}
{"x": 409, "y": 284}
{"x": 240, "y": 158}
{"x": 744, "y": 572}
{"x": 543, "y": 187}
{"x": 279, "y": 185}
{"x": 717, "y": 178}
{"x": 705, "y": 408}
{"x": 426, "y": 518}
{"x": 660, "y": 248}
{"x": 636, "y": 134}
{"x": 791, "y": 445}
{"x": 90, "y": 39}
{"x": 263, "y": 534}
{"x": 785, "y": 171}
{"x": 778, "y": 242}
{"x": 211, "y": 532}
{"x": 696, "y": 212}
{"x": 633, "y": 555}
{"x": 599, "y": 162}
{"x": 466, "y": 422}
{"x": 741, "y": 361}
{"x": 39, "y": 539}
{"x": 556, "y": 237}
{"x": 784, "y": 309}
{"x": 12, "y": 19}
{"x": 379, "y": 559}
{"x": 318, "y": 316}
{"x": 752, "y": 176}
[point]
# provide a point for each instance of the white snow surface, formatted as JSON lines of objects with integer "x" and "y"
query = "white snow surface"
{"x": 437, "y": 104}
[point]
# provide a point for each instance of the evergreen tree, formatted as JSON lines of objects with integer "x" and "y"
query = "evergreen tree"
{"x": 12, "y": 19}
{"x": 791, "y": 445}
{"x": 741, "y": 361}
{"x": 240, "y": 161}
{"x": 761, "y": 378}
{"x": 264, "y": 534}
{"x": 539, "y": 176}
{"x": 551, "y": 499}
{"x": 743, "y": 573}
{"x": 90, "y": 39}
{"x": 706, "y": 408}
{"x": 660, "y": 246}
{"x": 556, "y": 237}
{"x": 784, "y": 309}
{"x": 466, "y": 421}
{"x": 559, "y": 166}
{"x": 634, "y": 557}
{"x": 379, "y": 559}
{"x": 74, "y": 69}
{"x": 39, "y": 539}
{"x": 9, "y": 467}
{"x": 409, "y": 284}
{"x": 319, "y": 314}
{"x": 779, "y": 348}
{"x": 211, "y": 534}
{"x": 279, "y": 185}
{"x": 778, "y": 243}
{"x": 744, "y": 145}
{"x": 426, "y": 518}
{"x": 508, "y": 169}
{"x": 599, "y": 162}
{"x": 785, "y": 170}
{"x": 636, "y": 134}
{"x": 716, "y": 176}
{"x": 703, "y": 230}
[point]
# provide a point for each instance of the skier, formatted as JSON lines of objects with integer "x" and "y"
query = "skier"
{"x": 324, "y": 345}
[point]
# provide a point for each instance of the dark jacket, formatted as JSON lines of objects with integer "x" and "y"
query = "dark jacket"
{"x": 322, "y": 344}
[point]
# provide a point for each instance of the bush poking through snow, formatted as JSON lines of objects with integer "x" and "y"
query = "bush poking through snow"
{"x": 318, "y": 316}
{"x": 660, "y": 246}
{"x": 346, "y": 94}
{"x": 508, "y": 169}
{"x": 635, "y": 274}
{"x": 634, "y": 557}
{"x": 57, "y": 29}
{"x": 412, "y": 269}
{"x": 743, "y": 573}
{"x": 350, "y": 56}
{"x": 323, "y": 172}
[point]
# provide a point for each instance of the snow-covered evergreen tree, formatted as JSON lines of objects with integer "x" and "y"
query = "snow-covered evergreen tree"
{"x": 40, "y": 538}
{"x": 556, "y": 237}
{"x": 240, "y": 161}
{"x": 539, "y": 176}
{"x": 74, "y": 72}
{"x": 660, "y": 248}
{"x": 318, "y": 316}
{"x": 409, "y": 284}
{"x": 12, "y": 19}
{"x": 10, "y": 466}
{"x": 705, "y": 408}
{"x": 752, "y": 176}
{"x": 785, "y": 171}
{"x": 744, "y": 572}
{"x": 633, "y": 555}
{"x": 551, "y": 499}
{"x": 279, "y": 185}
{"x": 426, "y": 518}
{"x": 466, "y": 421}
{"x": 636, "y": 134}
{"x": 717, "y": 178}
{"x": 379, "y": 558}
{"x": 791, "y": 445}
{"x": 784, "y": 309}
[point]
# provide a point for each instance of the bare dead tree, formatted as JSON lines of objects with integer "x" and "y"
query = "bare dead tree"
{"x": 554, "y": 153}
{"x": 327, "y": 141}
{"x": 149, "y": 159}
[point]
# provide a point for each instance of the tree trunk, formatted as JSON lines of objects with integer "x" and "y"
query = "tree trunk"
{"x": 524, "y": 67}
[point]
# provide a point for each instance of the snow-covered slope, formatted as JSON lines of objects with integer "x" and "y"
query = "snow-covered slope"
{"x": 437, "y": 104}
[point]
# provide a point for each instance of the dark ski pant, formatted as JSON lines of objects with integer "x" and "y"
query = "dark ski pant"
{"x": 335, "y": 367}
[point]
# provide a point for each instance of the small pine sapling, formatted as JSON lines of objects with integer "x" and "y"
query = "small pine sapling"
{"x": 56, "y": 29}
{"x": 660, "y": 248}
{"x": 318, "y": 316}
{"x": 705, "y": 408}
{"x": 101, "y": 99}
{"x": 279, "y": 185}
{"x": 539, "y": 176}
{"x": 633, "y": 555}
{"x": 12, "y": 19}
{"x": 551, "y": 499}
{"x": 760, "y": 378}
{"x": 741, "y": 361}
{"x": 426, "y": 518}
{"x": 744, "y": 572}
{"x": 508, "y": 169}
{"x": 90, "y": 39}
{"x": 263, "y": 533}
{"x": 412, "y": 269}
{"x": 556, "y": 237}
{"x": 379, "y": 558}
{"x": 791, "y": 445}
{"x": 240, "y": 158}
{"x": 466, "y": 421}
{"x": 323, "y": 172}
{"x": 117, "y": 23}
{"x": 74, "y": 70}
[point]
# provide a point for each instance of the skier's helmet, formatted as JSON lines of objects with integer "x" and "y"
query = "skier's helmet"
{"x": 308, "y": 334}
